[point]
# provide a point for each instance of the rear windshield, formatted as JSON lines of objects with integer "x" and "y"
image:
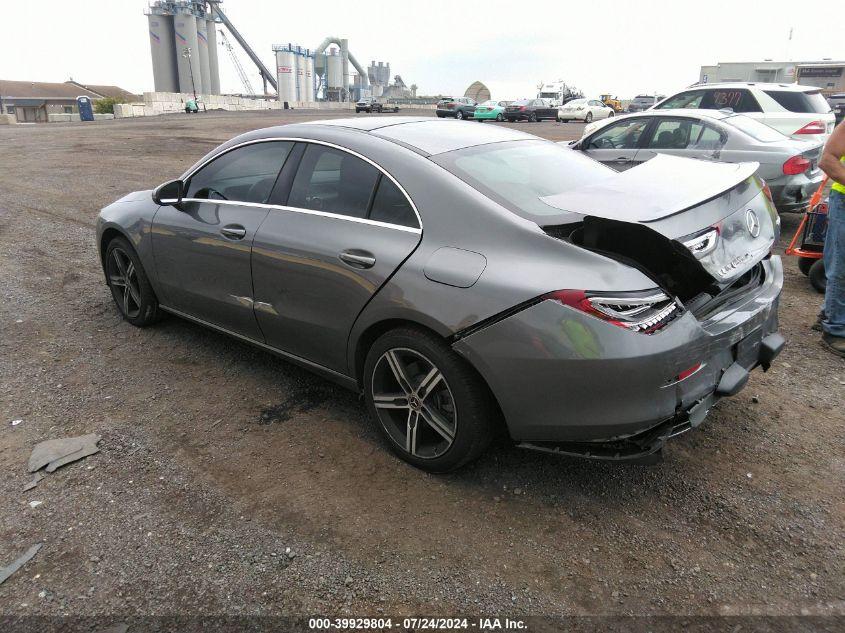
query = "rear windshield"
{"x": 754, "y": 128}
{"x": 643, "y": 98}
{"x": 517, "y": 174}
{"x": 577, "y": 102}
{"x": 521, "y": 102}
{"x": 804, "y": 102}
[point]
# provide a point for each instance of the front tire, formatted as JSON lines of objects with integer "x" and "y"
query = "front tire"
{"x": 430, "y": 405}
{"x": 500, "y": 118}
{"x": 131, "y": 290}
{"x": 611, "y": 114}
{"x": 459, "y": 115}
{"x": 588, "y": 118}
{"x": 532, "y": 118}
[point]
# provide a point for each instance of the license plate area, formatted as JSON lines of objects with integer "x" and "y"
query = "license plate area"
{"x": 747, "y": 351}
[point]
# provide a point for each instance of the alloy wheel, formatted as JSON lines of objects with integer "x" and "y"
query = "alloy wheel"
{"x": 123, "y": 281}
{"x": 414, "y": 403}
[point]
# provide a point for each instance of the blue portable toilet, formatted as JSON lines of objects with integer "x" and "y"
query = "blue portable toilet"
{"x": 86, "y": 109}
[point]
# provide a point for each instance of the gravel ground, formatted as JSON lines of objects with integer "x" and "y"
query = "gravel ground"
{"x": 232, "y": 483}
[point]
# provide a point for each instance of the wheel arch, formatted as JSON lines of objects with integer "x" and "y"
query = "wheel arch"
{"x": 108, "y": 234}
{"x": 375, "y": 330}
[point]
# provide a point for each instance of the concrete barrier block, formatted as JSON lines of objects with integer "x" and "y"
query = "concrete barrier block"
{"x": 103, "y": 117}
{"x": 122, "y": 110}
{"x": 62, "y": 118}
{"x": 8, "y": 119}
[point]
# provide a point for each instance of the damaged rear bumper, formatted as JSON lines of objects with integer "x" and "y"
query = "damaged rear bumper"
{"x": 650, "y": 442}
{"x": 573, "y": 384}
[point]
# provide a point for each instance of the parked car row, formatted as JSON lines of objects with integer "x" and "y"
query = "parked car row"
{"x": 531, "y": 110}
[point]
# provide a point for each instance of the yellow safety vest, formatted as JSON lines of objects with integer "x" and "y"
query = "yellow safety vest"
{"x": 839, "y": 186}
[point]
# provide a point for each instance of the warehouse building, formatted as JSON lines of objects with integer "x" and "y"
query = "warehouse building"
{"x": 826, "y": 74}
{"x": 33, "y": 101}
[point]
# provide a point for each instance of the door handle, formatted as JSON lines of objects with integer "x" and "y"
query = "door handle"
{"x": 233, "y": 232}
{"x": 358, "y": 259}
{"x": 622, "y": 159}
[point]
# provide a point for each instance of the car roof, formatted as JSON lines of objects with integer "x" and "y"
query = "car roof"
{"x": 753, "y": 84}
{"x": 424, "y": 135}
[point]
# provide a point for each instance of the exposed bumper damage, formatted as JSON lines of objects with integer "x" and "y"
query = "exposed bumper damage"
{"x": 572, "y": 384}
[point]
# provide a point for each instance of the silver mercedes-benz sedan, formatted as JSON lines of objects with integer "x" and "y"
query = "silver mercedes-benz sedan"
{"x": 468, "y": 280}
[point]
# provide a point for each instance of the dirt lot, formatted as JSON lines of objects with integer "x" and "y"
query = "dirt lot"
{"x": 216, "y": 458}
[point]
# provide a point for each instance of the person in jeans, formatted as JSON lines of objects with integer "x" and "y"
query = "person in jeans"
{"x": 833, "y": 164}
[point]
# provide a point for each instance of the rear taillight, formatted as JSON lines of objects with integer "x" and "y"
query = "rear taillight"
{"x": 522, "y": 107}
{"x": 645, "y": 312}
{"x": 816, "y": 127}
{"x": 796, "y": 165}
{"x": 450, "y": 105}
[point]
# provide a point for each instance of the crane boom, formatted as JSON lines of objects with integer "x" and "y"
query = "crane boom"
{"x": 238, "y": 67}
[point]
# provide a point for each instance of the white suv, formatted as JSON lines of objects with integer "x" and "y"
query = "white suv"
{"x": 801, "y": 112}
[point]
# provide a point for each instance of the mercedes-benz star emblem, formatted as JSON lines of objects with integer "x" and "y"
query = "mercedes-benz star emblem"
{"x": 752, "y": 222}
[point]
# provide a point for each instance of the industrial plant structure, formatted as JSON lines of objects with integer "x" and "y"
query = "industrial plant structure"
{"x": 183, "y": 42}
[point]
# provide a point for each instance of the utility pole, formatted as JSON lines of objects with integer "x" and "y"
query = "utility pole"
{"x": 186, "y": 53}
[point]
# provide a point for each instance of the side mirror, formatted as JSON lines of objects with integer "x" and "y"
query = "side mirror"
{"x": 169, "y": 194}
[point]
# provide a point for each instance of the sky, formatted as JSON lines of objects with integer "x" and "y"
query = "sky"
{"x": 621, "y": 47}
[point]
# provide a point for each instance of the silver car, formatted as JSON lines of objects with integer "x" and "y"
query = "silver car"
{"x": 467, "y": 279}
{"x": 790, "y": 167}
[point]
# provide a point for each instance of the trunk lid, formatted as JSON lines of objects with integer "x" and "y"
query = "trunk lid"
{"x": 714, "y": 215}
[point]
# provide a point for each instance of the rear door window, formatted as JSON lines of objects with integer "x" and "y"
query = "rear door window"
{"x": 803, "y": 102}
{"x": 674, "y": 134}
{"x": 333, "y": 181}
{"x": 390, "y": 205}
{"x": 246, "y": 174}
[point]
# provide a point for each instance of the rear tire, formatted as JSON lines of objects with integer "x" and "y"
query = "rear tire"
{"x": 500, "y": 118}
{"x": 817, "y": 275}
{"x": 131, "y": 290}
{"x": 805, "y": 264}
{"x": 611, "y": 114}
{"x": 588, "y": 118}
{"x": 439, "y": 386}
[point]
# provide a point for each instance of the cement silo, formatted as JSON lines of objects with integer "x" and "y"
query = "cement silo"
{"x": 185, "y": 37}
{"x": 334, "y": 70}
{"x": 165, "y": 72}
{"x": 202, "y": 54}
{"x": 301, "y": 83}
{"x": 286, "y": 73}
{"x": 309, "y": 78}
{"x": 213, "y": 67}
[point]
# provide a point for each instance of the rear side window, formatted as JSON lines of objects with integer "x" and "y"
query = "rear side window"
{"x": 333, "y": 181}
{"x": 390, "y": 205}
{"x": 803, "y": 102}
{"x": 737, "y": 99}
{"x": 246, "y": 174}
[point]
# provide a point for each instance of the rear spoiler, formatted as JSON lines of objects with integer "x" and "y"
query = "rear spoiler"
{"x": 663, "y": 186}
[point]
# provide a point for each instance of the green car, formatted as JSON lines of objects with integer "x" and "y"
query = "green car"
{"x": 490, "y": 110}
